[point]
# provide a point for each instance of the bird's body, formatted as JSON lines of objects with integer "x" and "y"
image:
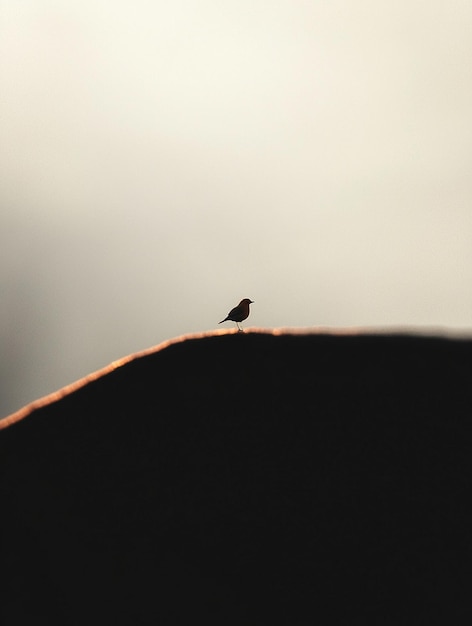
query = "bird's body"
{"x": 239, "y": 313}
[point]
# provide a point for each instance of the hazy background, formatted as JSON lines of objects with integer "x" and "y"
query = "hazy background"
{"x": 160, "y": 160}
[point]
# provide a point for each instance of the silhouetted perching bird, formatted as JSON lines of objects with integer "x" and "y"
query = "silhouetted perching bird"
{"x": 239, "y": 313}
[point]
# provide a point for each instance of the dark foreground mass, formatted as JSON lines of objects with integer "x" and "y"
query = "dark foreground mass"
{"x": 247, "y": 479}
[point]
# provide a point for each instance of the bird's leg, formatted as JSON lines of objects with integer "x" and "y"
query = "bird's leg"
{"x": 239, "y": 327}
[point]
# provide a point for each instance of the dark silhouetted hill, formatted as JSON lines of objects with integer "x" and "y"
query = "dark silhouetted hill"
{"x": 247, "y": 479}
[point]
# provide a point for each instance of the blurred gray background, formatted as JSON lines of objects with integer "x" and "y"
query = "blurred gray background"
{"x": 159, "y": 161}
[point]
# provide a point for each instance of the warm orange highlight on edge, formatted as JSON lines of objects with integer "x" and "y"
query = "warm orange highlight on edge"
{"x": 64, "y": 391}
{"x": 68, "y": 389}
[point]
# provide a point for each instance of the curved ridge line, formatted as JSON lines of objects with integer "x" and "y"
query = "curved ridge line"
{"x": 55, "y": 396}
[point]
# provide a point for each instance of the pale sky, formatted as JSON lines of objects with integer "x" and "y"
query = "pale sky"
{"x": 160, "y": 161}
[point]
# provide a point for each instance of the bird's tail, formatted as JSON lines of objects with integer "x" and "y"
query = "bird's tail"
{"x": 223, "y": 320}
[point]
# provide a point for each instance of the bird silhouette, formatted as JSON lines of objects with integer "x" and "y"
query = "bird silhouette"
{"x": 239, "y": 313}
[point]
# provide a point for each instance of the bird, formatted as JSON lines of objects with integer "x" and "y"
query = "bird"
{"x": 239, "y": 313}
